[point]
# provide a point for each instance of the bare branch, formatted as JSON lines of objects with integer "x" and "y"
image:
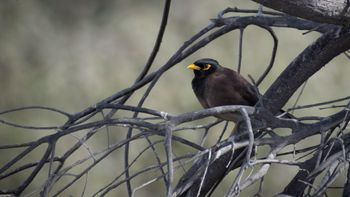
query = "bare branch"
{"x": 160, "y": 130}
{"x": 312, "y": 59}
{"x": 324, "y": 11}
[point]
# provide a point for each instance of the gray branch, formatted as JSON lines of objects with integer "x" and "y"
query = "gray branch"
{"x": 322, "y": 11}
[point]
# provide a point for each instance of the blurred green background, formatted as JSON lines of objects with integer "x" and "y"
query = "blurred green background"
{"x": 71, "y": 54}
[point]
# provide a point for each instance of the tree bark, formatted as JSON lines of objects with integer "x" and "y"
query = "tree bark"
{"x": 323, "y": 11}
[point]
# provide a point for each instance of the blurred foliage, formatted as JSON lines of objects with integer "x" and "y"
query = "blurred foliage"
{"x": 71, "y": 54}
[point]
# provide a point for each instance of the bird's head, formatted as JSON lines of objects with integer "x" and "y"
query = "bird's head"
{"x": 204, "y": 67}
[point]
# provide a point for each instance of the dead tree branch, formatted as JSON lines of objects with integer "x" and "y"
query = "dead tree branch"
{"x": 160, "y": 130}
{"x": 323, "y": 11}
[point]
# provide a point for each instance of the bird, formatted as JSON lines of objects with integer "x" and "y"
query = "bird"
{"x": 215, "y": 85}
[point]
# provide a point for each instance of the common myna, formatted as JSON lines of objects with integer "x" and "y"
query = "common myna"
{"x": 215, "y": 85}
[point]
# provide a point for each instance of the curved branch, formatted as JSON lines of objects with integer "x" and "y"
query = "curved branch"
{"x": 273, "y": 55}
{"x": 311, "y": 60}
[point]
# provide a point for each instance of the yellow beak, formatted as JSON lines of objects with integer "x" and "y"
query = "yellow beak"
{"x": 193, "y": 67}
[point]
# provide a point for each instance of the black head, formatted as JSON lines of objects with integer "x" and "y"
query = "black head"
{"x": 204, "y": 67}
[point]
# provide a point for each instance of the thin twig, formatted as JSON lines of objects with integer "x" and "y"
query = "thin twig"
{"x": 240, "y": 49}
{"x": 147, "y": 67}
{"x": 319, "y": 104}
{"x": 235, "y": 187}
{"x": 273, "y": 55}
{"x": 252, "y": 11}
{"x": 169, "y": 156}
{"x": 299, "y": 96}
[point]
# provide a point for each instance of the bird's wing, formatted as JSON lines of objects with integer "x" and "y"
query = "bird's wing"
{"x": 249, "y": 93}
{"x": 226, "y": 87}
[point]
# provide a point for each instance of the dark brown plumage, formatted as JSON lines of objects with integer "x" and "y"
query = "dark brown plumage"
{"x": 215, "y": 85}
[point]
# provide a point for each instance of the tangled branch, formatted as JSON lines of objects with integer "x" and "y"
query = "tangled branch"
{"x": 159, "y": 131}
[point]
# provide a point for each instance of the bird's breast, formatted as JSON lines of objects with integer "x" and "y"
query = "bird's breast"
{"x": 198, "y": 86}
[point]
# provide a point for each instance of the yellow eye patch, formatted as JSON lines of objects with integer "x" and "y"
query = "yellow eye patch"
{"x": 207, "y": 67}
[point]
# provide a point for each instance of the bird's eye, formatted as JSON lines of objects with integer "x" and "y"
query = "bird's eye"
{"x": 207, "y": 67}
